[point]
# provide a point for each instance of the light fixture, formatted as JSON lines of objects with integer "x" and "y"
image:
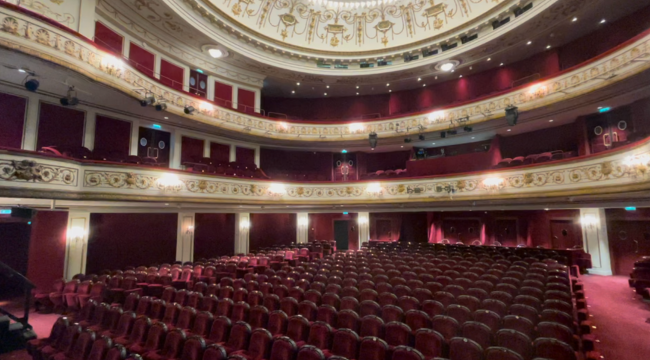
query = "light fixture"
{"x": 529, "y": 42}
{"x": 550, "y": 120}
{"x": 512, "y": 115}
{"x": 489, "y": 59}
{"x": 277, "y": 189}
{"x": 390, "y": 90}
{"x": 590, "y": 221}
{"x": 461, "y": 76}
{"x": 169, "y": 182}
{"x": 421, "y": 137}
{"x": 293, "y": 91}
{"x": 473, "y": 138}
{"x": 387, "y": 84}
{"x": 419, "y": 79}
{"x": 509, "y": 130}
{"x": 372, "y": 139}
{"x": 161, "y": 107}
{"x": 215, "y": 53}
{"x": 344, "y": 151}
{"x": 205, "y": 106}
{"x": 501, "y": 64}
{"x": 574, "y": 19}
{"x": 22, "y": 70}
{"x": 189, "y": 109}
{"x": 493, "y": 183}
{"x": 468, "y": 129}
{"x": 603, "y": 21}
{"x": 149, "y": 99}
{"x": 447, "y": 66}
{"x": 32, "y": 85}
{"x": 327, "y": 86}
{"x": 604, "y": 109}
{"x": 436, "y": 116}
{"x": 374, "y": 189}
{"x": 244, "y": 224}
{"x": 156, "y": 126}
{"x": 630, "y": 208}
{"x": 424, "y": 85}
{"x": 357, "y": 86}
{"x": 357, "y": 93}
{"x": 71, "y": 98}
{"x": 637, "y": 164}
{"x": 166, "y": 118}
{"x": 298, "y": 83}
{"x": 325, "y": 94}
{"x": 356, "y": 127}
{"x": 76, "y": 234}
{"x": 548, "y": 46}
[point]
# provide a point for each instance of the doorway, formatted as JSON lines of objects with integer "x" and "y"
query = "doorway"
{"x": 154, "y": 144}
{"x": 14, "y": 236}
{"x": 507, "y": 232}
{"x": 341, "y": 234}
{"x": 628, "y": 242}
{"x": 565, "y": 234}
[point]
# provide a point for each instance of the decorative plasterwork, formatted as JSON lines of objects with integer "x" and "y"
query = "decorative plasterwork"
{"x": 61, "y": 11}
{"x": 37, "y": 172}
{"x": 602, "y": 174}
{"x": 40, "y": 40}
{"x": 184, "y": 50}
{"x": 351, "y": 26}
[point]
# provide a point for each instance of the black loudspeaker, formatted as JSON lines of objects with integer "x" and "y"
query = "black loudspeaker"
{"x": 512, "y": 115}
{"x": 22, "y": 213}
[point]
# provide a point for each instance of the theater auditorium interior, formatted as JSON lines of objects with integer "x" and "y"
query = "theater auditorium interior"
{"x": 324, "y": 180}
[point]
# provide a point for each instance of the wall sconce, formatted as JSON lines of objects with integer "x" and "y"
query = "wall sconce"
{"x": 356, "y": 128}
{"x": 112, "y": 65}
{"x": 303, "y": 221}
{"x": 283, "y": 127}
{"x": 244, "y": 224}
{"x": 189, "y": 230}
{"x": 169, "y": 182}
{"x": 276, "y": 189}
{"x": 205, "y": 107}
{"x": 436, "y": 116}
{"x": 590, "y": 221}
{"x": 493, "y": 183}
{"x": 76, "y": 234}
{"x": 637, "y": 164}
{"x": 362, "y": 220}
{"x": 374, "y": 189}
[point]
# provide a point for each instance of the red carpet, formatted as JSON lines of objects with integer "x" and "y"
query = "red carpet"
{"x": 620, "y": 317}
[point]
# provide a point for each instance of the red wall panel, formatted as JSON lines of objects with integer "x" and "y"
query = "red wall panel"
{"x": 321, "y": 227}
{"x": 328, "y": 108}
{"x": 191, "y": 149}
{"x": 12, "y": 120}
{"x": 142, "y": 60}
{"x": 245, "y": 100}
{"x": 564, "y": 137}
{"x": 47, "y": 248}
{"x": 171, "y": 75}
{"x": 305, "y": 165}
{"x": 245, "y": 155}
{"x": 214, "y": 235}
{"x": 271, "y": 229}
{"x": 198, "y": 83}
{"x": 60, "y": 126}
{"x": 387, "y": 161}
{"x": 222, "y": 94}
{"x": 112, "y": 135}
{"x": 119, "y": 240}
{"x": 220, "y": 152}
{"x": 108, "y": 38}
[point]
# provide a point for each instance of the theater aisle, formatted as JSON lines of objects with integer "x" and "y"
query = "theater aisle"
{"x": 620, "y": 317}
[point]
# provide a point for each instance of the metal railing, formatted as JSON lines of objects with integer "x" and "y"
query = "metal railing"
{"x": 9, "y": 273}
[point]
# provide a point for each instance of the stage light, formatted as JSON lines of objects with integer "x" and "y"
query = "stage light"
{"x": 372, "y": 139}
{"x": 443, "y": 134}
{"x": 421, "y": 137}
{"x": 188, "y": 110}
{"x": 32, "y": 85}
{"x": 468, "y": 129}
{"x": 149, "y": 99}
{"x": 447, "y": 66}
{"x": 161, "y": 107}
{"x": 453, "y": 132}
{"x": 407, "y": 140}
{"x": 512, "y": 115}
{"x": 70, "y": 99}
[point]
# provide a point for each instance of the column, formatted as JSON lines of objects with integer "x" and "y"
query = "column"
{"x": 257, "y": 156}
{"x": 235, "y": 96}
{"x": 89, "y": 130}
{"x": 176, "y": 149}
{"x": 302, "y": 228}
{"x": 206, "y": 148}
{"x": 233, "y": 153}
{"x": 135, "y": 138}
{"x": 596, "y": 243}
{"x": 185, "y": 237}
{"x": 258, "y": 101}
{"x": 363, "y": 220}
{"x": 157, "y": 61}
{"x": 242, "y": 227}
{"x": 186, "y": 78}
{"x": 76, "y": 243}
{"x": 87, "y": 18}
{"x": 211, "y": 87}
{"x": 30, "y": 139}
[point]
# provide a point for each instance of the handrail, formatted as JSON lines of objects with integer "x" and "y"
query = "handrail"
{"x": 8, "y": 272}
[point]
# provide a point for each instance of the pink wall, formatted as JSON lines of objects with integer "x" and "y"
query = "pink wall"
{"x": 245, "y": 155}
{"x": 191, "y": 149}
{"x": 171, "y": 75}
{"x": 107, "y": 38}
{"x": 222, "y": 94}
{"x": 12, "y": 120}
{"x": 271, "y": 229}
{"x": 119, "y": 240}
{"x": 60, "y": 126}
{"x": 47, "y": 246}
{"x": 142, "y": 60}
{"x": 112, "y": 135}
{"x": 245, "y": 101}
{"x": 214, "y": 235}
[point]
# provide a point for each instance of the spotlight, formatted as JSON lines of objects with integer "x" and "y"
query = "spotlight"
{"x": 443, "y": 134}
{"x": 468, "y": 129}
{"x": 189, "y": 110}
{"x": 372, "y": 138}
{"x": 71, "y": 98}
{"x": 407, "y": 140}
{"x": 149, "y": 99}
{"x": 452, "y": 132}
{"x": 161, "y": 107}
{"x": 421, "y": 137}
{"x": 512, "y": 114}
{"x": 32, "y": 85}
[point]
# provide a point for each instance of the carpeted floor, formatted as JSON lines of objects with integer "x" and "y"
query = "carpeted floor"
{"x": 620, "y": 317}
{"x": 41, "y": 323}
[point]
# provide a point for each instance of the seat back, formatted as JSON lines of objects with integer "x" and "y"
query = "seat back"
{"x": 345, "y": 343}
{"x": 429, "y": 342}
{"x": 372, "y": 348}
{"x": 283, "y": 348}
{"x": 239, "y": 336}
{"x": 173, "y": 344}
{"x": 193, "y": 348}
{"x": 260, "y": 344}
{"x": 155, "y": 336}
{"x": 221, "y": 327}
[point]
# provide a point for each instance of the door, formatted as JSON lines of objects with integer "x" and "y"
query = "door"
{"x": 341, "y": 234}
{"x": 506, "y": 233}
{"x": 384, "y": 232}
{"x": 565, "y": 234}
{"x": 154, "y": 144}
{"x": 628, "y": 241}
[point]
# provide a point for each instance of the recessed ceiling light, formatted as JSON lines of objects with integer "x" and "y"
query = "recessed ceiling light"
{"x": 470, "y": 68}
{"x": 436, "y": 78}
{"x": 489, "y": 59}
{"x": 461, "y": 76}
{"x": 402, "y": 146}
{"x": 574, "y": 19}
{"x": 298, "y": 83}
{"x": 387, "y": 84}
{"x": 501, "y": 64}
{"x": 325, "y": 94}
{"x": 419, "y": 79}
{"x": 509, "y": 129}
{"x": 447, "y": 66}
{"x": 453, "y": 70}
{"x": 215, "y": 53}
{"x": 600, "y": 107}
{"x": 166, "y": 204}
{"x": 603, "y": 21}
{"x": 423, "y": 85}
{"x": 357, "y": 86}
{"x": 166, "y": 118}
{"x": 473, "y": 137}
{"x": 21, "y": 70}
{"x": 327, "y": 86}
{"x": 293, "y": 91}
{"x": 390, "y": 90}
{"x": 548, "y": 46}
{"x": 529, "y": 42}
{"x": 357, "y": 93}
{"x": 550, "y": 120}
{"x": 433, "y": 143}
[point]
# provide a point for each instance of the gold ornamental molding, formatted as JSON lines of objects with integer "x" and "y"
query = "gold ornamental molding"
{"x": 32, "y": 175}
{"x": 36, "y": 38}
